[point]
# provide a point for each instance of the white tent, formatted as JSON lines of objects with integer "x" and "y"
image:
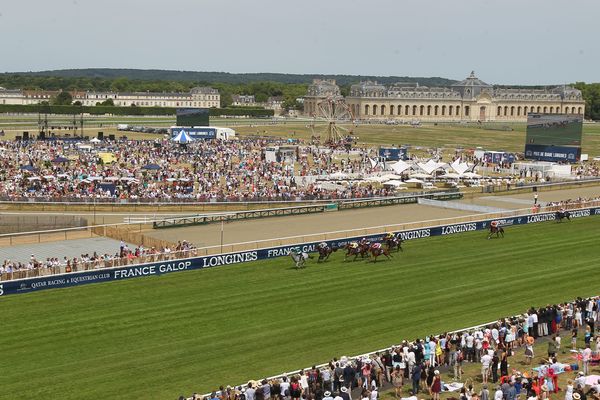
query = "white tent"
{"x": 471, "y": 175}
{"x": 376, "y": 179}
{"x": 400, "y": 166}
{"x": 449, "y": 175}
{"x": 182, "y": 137}
{"x": 420, "y": 176}
{"x": 395, "y": 183}
{"x": 338, "y": 175}
{"x": 95, "y": 140}
{"x": 459, "y": 167}
{"x": 431, "y": 166}
{"x": 413, "y": 180}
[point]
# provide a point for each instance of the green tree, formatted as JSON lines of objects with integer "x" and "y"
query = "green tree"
{"x": 63, "y": 98}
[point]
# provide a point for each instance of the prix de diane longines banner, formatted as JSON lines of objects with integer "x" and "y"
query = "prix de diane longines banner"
{"x": 164, "y": 267}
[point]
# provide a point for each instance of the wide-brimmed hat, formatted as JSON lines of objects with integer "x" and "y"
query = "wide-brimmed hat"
{"x": 344, "y": 389}
{"x": 580, "y": 373}
{"x": 436, "y": 372}
{"x": 327, "y": 393}
{"x": 544, "y": 388}
{"x": 576, "y": 396}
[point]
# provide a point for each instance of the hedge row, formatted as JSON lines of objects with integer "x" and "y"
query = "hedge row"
{"x": 101, "y": 110}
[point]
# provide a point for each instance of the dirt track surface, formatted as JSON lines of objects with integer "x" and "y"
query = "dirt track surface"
{"x": 525, "y": 200}
{"x": 277, "y": 227}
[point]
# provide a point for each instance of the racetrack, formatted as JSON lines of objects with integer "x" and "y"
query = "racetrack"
{"x": 157, "y": 337}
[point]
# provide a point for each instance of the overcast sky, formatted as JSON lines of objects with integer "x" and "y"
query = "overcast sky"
{"x": 504, "y": 41}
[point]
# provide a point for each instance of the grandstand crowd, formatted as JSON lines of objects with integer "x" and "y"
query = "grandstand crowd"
{"x": 124, "y": 256}
{"x": 425, "y": 365}
{"x": 204, "y": 170}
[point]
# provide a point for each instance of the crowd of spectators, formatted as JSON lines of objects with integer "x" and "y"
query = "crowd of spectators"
{"x": 573, "y": 203}
{"x": 161, "y": 170}
{"x": 417, "y": 364}
{"x": 12, "y": 269}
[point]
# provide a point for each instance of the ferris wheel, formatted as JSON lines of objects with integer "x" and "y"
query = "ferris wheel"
{"x": 333, "y": 111}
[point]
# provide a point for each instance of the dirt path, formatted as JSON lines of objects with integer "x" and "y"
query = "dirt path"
{"x": 277, "y": 227}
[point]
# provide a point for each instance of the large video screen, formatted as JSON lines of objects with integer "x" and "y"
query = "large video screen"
{"x": 192, "y": 117}
{"x": 554, "y": 129}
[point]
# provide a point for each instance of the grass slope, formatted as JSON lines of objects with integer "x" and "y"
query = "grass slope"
{"x": 157, "y": 337}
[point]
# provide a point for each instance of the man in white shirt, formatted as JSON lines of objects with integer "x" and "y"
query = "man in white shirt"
{"x": 486, "y": 359}
{"x": 498, "y": 395}
{"x": 586, "y": 357}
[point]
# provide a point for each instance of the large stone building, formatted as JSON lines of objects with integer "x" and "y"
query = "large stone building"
{"x": 198, "y": 97}
{"x": 320, "y": 89}
{"x": 468, "y": 100}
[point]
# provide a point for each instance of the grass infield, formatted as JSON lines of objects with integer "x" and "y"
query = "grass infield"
{"x": 158, "y": 337}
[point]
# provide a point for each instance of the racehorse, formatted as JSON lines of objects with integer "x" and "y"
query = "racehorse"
{"x": 299, "y": 258}
{"x": 355, "y": 249}
{"x": 325, "y": 251}
{"x": 393, "y": 242}
{"x": 377, "y": 249}
{"x": 562, "y": 214}
{"x": 498, "y": 230}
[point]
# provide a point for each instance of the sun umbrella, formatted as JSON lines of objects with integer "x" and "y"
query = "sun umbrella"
{"x": 59, "y": 160}
{"x": 27, "y": 168}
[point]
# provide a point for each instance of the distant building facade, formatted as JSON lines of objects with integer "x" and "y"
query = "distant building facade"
{"x": 468, "y": 100}
{"x": 198, "y": 97}
{"x": 320, "y": 89}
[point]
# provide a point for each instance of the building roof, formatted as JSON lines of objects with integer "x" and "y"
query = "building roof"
{"x": 472, "y": 81}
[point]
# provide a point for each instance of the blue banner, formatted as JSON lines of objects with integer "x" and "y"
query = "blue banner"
{"x": 164, "y": 267}
{"x": 393, "y": 153}
{"x": 552, "y": 153}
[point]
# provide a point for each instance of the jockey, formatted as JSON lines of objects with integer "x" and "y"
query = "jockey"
{"x": 494, "y": 224}
{"x": 353, "y": 245}
{"x": 322, "y": 245}
{"x": 364, "y": 241}
{"x": 376, "y": 245}
{"x": 389, "y": 236}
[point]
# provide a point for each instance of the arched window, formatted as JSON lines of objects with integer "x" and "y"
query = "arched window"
{"x": 428, "y": 110}
{"x": 391, "y": 109}
{"x": 467, "y": 109}
{"x": 551, "y": 110}
{"x": 450, "y": 109}
{"x": 443, "y": 110}
{"x": 499, "y": 113}
{"x": 545, "y": 109}
{"x": 406, "y": 110}
{"x": 580, "y": 110}
{"x": 512, "y": 111}
{"x": 505, "y": 111}
{"x": 525, "y": 110}
{"x": 539, "y": 109}
{"x": 435, "y": 110}
{"x": 366, "y": 109}
{"x": 374, "y": 109}
{"x": 422, "y": 110}
{"x": 382, "y": 109}
{"x": 519, "y": 111}
{"x": 558, "y": 109}
{"x": 414, "y": 110}
{"x": 457, "y": 110}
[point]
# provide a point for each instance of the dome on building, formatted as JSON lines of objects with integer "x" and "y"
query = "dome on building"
{"x": 472, "y": 86}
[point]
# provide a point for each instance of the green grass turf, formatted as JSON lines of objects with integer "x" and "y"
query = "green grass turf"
{"x": 158, "y": 337}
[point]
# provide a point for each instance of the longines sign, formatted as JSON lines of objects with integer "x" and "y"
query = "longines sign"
{"x": 158, "y": 268}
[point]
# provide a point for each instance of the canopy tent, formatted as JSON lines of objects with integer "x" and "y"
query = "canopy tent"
{"x": 107, "y": 158}
{"x": 459, "y": 167}
{"x": 413, "y": 180}
{"x": 431, "y": 166}
{"x": 471, "y": 175}
{"x": 400, "y": 166}
{"x": 395, "y": 183}
{"x": 151, "y": 167}
{"x": 420, "y": 176}
{"x": 60, "y": 160}
{"x": 30, "y": 168}
{"x": 377, "y": 179}
{"x": 95, "y": 140}
{"x": 338, "y": 175}
{"x": 449, "y": 175}
{"x": 183, "y": 137}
